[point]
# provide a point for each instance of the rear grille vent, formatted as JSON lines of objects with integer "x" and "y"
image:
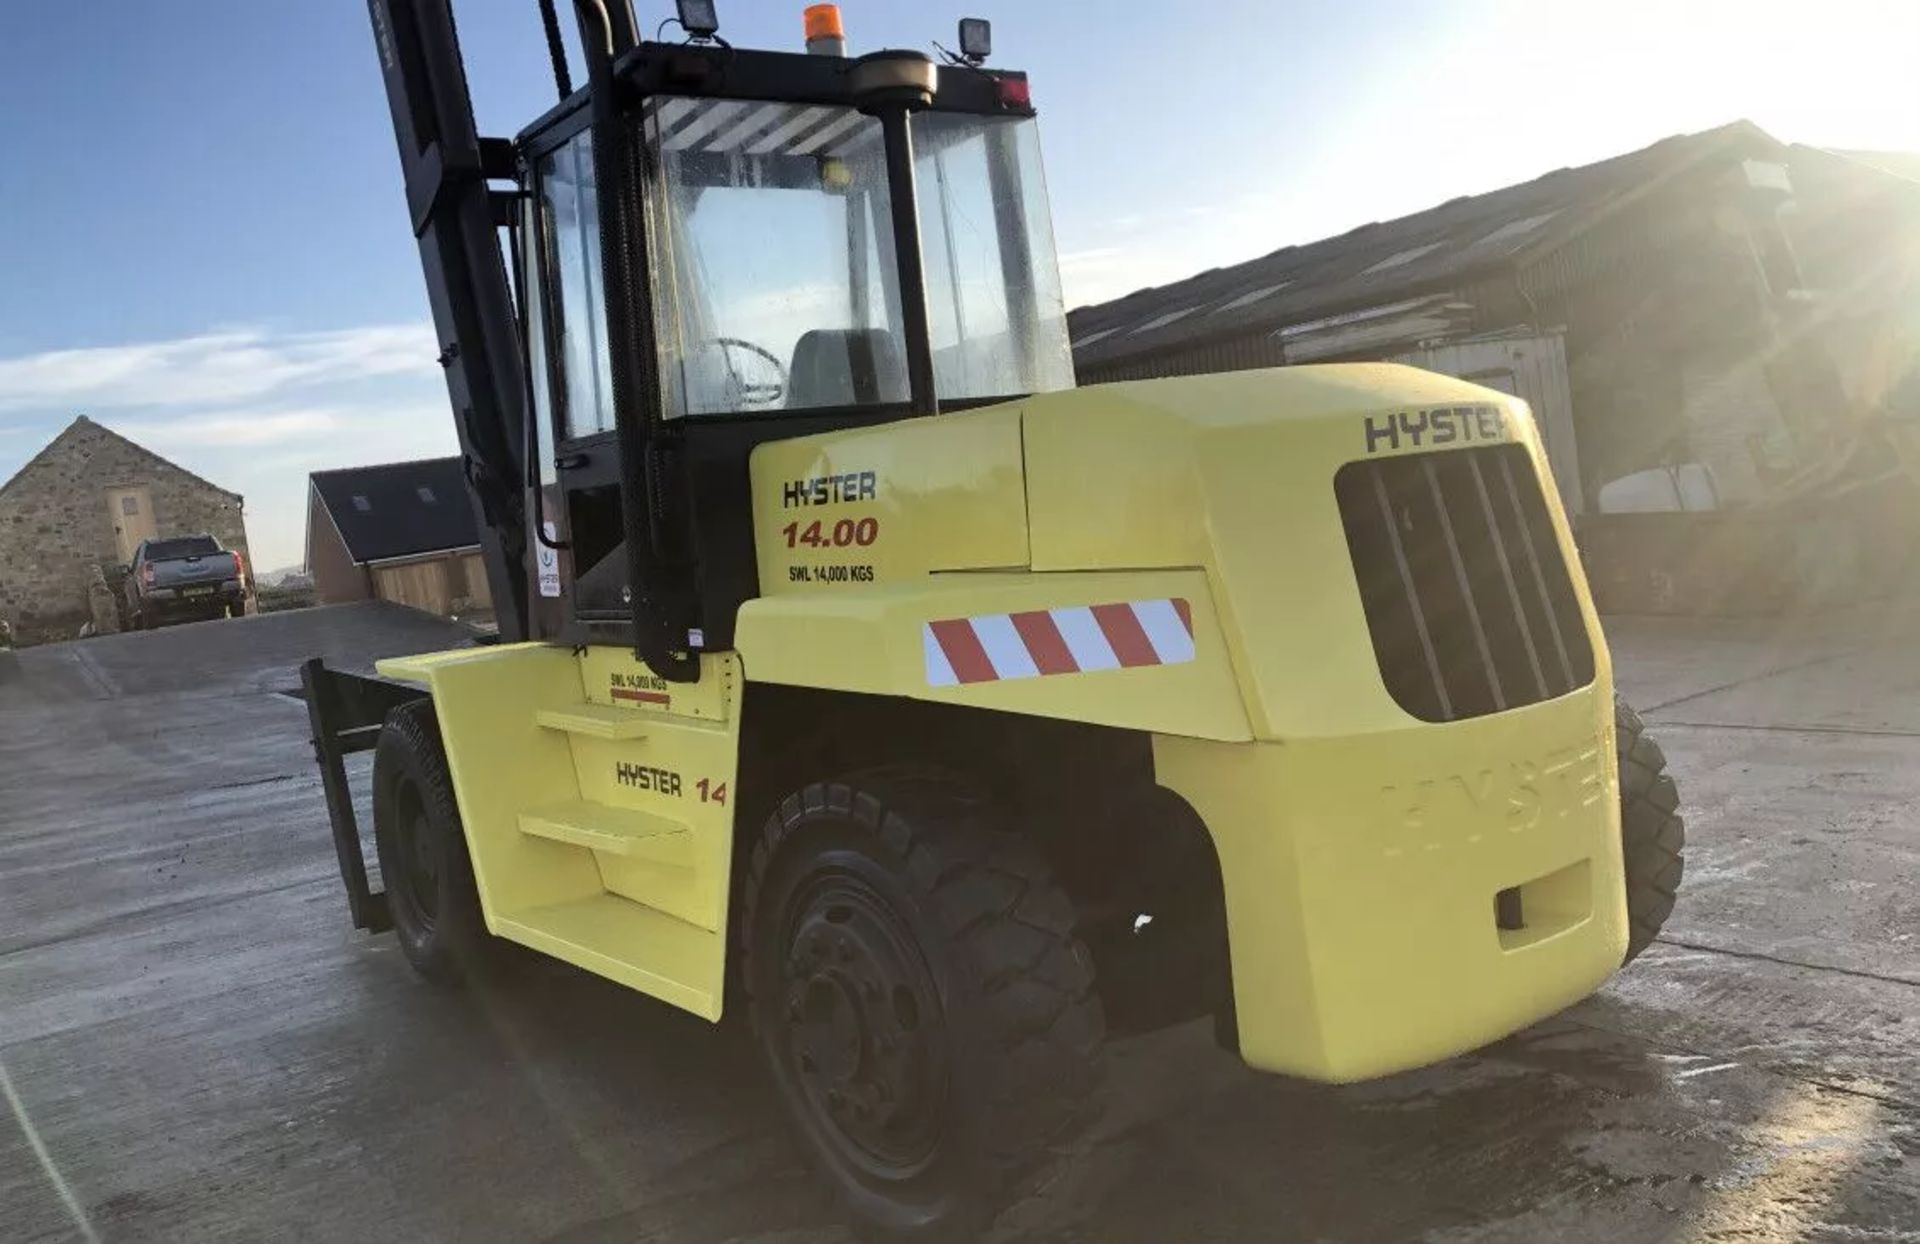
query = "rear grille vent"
{"x": 1467, "y": 597}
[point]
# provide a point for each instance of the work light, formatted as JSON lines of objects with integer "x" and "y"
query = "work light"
{"x": 976, "y": 39}
{"x": 698, "y": 18}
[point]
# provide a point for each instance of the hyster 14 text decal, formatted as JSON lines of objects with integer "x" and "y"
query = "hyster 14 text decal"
{"x": 646, "y": 777}
{"x": 829, "y": 489}
{"x": 1445, "y": 425}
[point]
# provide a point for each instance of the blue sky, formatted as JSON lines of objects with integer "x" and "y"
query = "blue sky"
{"x": 203, "y": 243}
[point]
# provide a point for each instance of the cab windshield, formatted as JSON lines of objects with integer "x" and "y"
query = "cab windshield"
{"x": 775, "y": 281}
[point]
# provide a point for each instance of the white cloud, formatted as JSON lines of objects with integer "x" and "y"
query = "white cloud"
{"x": 228, "y": 366}
{"x": 1136, "y": 250}
{"x": 1101, "y": 273}
{"x": 1096, "y": 274}
{"x": 273, "y": 478}
{"x": 231, "y": 429}
{"x": 251, "y": 409}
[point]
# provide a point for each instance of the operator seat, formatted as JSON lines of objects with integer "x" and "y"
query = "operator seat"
{"x": 846, "y": 367}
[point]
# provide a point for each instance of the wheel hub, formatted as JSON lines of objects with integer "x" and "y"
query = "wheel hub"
{"x": 417, "y": 859}
{"x": 857, "y": 992}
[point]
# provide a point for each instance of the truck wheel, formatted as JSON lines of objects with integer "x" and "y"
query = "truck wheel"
{"x": 915, "y": 986}
{"x": 1653, "y": 835}
{"x": 423, "y": 850}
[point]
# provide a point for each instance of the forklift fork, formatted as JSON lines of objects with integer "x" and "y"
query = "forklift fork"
{"x": 345, "y": 713}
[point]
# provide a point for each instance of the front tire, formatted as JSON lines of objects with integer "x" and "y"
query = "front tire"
{"x": 423, "y": 849}
{"x": 917, "y": 991}
{"x": 1653, "y": 837}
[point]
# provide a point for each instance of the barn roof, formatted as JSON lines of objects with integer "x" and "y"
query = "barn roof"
{"x": 399, "y": 509}
{"x": 81, "y": 425}
{"x": 1426, "y": 252}
{"x": 1904, "y": 164}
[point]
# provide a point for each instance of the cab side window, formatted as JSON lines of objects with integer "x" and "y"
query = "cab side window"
{"x": 573, "y": 260}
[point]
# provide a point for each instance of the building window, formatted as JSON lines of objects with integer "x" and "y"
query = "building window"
{"x": 426, "y": 495}
{"x": 361, "y": 504}
{"x": 129, "y": 505}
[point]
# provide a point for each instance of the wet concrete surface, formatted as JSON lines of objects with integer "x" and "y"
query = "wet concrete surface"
{"x": 195, "y": 1046}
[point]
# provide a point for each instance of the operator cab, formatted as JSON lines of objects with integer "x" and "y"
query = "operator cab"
{"x": 822, "y": 240}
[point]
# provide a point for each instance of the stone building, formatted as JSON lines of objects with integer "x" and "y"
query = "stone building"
{"x": 72, "y": 516}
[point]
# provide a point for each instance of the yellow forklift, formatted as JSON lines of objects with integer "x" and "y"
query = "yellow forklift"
{"x": 859, "y": 674}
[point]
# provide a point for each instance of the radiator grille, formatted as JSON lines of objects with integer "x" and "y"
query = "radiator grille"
{"x": 1467, "y": 597}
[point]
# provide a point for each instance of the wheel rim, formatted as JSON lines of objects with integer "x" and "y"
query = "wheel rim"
{"x": 419, "y": 877}
{"x": 860, "y": 1037}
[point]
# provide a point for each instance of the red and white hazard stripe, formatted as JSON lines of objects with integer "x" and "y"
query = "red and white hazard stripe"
{"x": 1074, "y": 640}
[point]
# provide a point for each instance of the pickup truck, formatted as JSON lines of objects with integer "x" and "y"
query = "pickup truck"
{"x": 182, "y": 578}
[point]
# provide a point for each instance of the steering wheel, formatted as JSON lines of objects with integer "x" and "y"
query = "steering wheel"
{"x": 753, "y": 394}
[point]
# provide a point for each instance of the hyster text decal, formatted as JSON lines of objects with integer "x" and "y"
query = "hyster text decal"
{"x": 829, "y": 489}
{"x": 1559, "y": 787}
{"x": 646, "y": 777}
{"x": 1442, "y": 426}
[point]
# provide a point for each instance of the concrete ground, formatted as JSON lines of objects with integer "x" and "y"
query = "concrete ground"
{"x": 194, "y": 1045}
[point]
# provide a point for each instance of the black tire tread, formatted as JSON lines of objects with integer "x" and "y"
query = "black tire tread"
{"x": 1653, "y": 833}
{"x": 993, "y": 895}
{"x": 410, "y": 739}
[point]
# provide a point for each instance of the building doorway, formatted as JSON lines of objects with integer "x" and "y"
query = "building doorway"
{"x": 131, "y": 510}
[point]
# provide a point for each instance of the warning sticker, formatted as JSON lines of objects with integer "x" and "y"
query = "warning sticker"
{"x": 547, "y": 558}
{"x": 1074, "y": 640}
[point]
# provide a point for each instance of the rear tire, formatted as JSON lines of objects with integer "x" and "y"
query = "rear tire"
{"x": 916, "y": 989}
{"x": 1653, "y": 836}
{"x": 423, "y": 849}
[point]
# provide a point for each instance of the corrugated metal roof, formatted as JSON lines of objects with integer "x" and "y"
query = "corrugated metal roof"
{"x": 1385, "y": 261}
{"x": 1897, "y": 163}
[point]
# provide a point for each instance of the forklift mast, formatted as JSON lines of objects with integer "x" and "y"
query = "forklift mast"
{"x": 456, "y": 219}
{"x": 457, "y": 216}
